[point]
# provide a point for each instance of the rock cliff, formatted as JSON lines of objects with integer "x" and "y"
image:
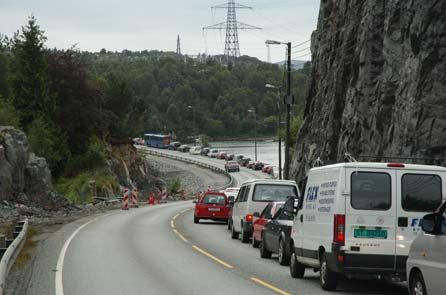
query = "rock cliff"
{"x": 378, "y": 82}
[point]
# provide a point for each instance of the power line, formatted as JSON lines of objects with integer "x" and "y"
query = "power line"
{"x": 301, "y": 50}
{"x": 302, "y": 43}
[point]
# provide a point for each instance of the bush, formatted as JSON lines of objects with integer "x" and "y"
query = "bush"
{"x": 175, "y": 186}
{"x": 92, "y": 159}
{"x": 78, "y": 190}
{"x": 8, "y": 114}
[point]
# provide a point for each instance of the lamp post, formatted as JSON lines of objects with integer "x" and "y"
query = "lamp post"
{"x": 193, "y": 118}
{"x": 288, "y": 100}
{"x": 255, "y": 133}
{"x": 278, "y": 126}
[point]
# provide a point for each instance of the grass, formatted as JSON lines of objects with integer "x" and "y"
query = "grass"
{"x": 78, "y": 190}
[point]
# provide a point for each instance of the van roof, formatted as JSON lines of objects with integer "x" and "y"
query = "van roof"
{"x": 270, "y": 181}
{"x": 379, "y": 165}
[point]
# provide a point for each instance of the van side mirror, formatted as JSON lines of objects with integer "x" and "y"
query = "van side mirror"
{"x": 428, "y": 223}
{"x": 256, "y": 214}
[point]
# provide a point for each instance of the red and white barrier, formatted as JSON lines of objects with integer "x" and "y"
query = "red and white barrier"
{"x": 151, "y": 199}
{"x": 125, "y": 199}
{"x": 134, "y": 200}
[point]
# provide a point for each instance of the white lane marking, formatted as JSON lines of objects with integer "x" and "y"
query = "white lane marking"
{"x": 59, "y": 266}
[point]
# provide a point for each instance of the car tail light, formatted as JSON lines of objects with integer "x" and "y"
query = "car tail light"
{"x": 248, "y": 218}
{"x": 395, "y": 165}
{"x": 339, "y": 229}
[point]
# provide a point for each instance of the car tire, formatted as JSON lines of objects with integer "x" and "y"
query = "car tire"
{"x": 283, "y": 256}
{"x": 254, "y": 242}
{"x": 245, "y": 235}
{"x": 417, "y": 285}
{"x": 234, "y": 234}
{"x": 196, "y": 219}
{"x": 264, "y": 253}
{"x": 297, "y": 269}
{"x": 328, "y": 278}
{"x": 229, "y": 224}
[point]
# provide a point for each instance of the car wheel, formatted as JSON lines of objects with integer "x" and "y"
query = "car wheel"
{"x": 234, "y": 234}
{"x": 297, "y": 269}
{"x": 254, "y": 242}
{"x": 229, "y": 224}
{"x": 417, "y": 285}
{"x": 328, "y": 278}
{"x": 283, "y": 256}
{"x": 245, "y": 235}
{"x": 196, "y": 219}
{"x": 264, "y": 253}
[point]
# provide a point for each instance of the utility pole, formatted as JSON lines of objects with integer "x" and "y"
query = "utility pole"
{"x": 231, "y": 25}
{"x": 288, "y": 101}
{"x": 279, "y": 122}
{"x": 255, "y": 133}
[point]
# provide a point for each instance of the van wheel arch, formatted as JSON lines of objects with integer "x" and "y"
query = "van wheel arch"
{"x": 321, "y": 252}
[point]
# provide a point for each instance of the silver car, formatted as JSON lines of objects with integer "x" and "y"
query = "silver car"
{"x": 426, "y": 265}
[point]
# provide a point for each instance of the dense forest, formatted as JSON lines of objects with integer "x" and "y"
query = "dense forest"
{"x": 71, "y": 102}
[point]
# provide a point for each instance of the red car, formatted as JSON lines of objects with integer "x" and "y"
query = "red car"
{"x": 267, "y": 169}
{"x": 260, "y": 220}
{"x": 221, "y": 155}
{"x": 212, "y": 205}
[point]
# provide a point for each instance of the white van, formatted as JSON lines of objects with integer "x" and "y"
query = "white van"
{"x": 359, "y": 219}
{"x": 253, "y": 196}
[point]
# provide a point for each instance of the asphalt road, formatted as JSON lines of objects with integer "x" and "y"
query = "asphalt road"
{"x": 159, "y": 250}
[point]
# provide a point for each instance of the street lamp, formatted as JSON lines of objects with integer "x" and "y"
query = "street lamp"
{"x": 255, "y": 133}
{"x": 193, "y": 118}
{"x": 278, "y": 126}
{"x": 288, "y": 101}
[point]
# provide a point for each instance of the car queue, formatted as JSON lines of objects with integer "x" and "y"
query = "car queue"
{"x": 351, "y": 220}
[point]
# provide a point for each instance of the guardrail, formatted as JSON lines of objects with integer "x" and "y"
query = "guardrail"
{"x": 231, "y": 182}
{"x": 10, "y": 249}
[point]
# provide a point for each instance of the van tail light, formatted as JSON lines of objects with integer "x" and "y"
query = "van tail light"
{"x": 395, "y": 165}
{"x": 339, "y": 229}
{"x": 248, "y": 218}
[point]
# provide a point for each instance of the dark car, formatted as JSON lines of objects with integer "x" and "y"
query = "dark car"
{"x": 276, "y": 234}
{"x": 244, "y": 162}
{"x": 229, "y": 157}
{"x": 238, "y": 158}
{"x": 260, "y": 220}
{"x": 205, "y": 151}
{"x": 174, "y": 145}
{"x": 258, "y": 165}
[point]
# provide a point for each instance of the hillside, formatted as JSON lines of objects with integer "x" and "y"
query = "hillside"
{"x": 378, "y": 85}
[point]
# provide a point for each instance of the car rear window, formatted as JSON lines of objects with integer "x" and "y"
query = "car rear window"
{"x": 371, "y": 191}
{"x": 421, "y": 192}
{"x": 273, "y": 192}
{"x": 214, "y": 199}
{"x": 232, "y": 163}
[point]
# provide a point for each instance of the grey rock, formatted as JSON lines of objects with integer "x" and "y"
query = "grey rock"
{"x": 378, "y": 83}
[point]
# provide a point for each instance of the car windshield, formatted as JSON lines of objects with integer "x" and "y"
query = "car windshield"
{"x": 273, "y": 192}
{"x": 214, "y": 199}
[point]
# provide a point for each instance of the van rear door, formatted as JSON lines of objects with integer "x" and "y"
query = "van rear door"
{"x": 421, "y": 194}
{"x": 370, "y": 219}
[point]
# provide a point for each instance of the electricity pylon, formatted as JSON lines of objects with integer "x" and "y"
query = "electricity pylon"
{"x": 232, "y": 48}
{"x": 178, "y": 46}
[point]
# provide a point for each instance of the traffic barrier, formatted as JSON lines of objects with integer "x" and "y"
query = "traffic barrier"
{"x": 134, "y": 198}
{"x": 151, "y": 199}
{"x": 10, "y": 249}
{"x": 125, "y": 199}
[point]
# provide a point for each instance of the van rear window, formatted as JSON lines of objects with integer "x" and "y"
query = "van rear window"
{"x": 273, "y": 192}
{"x": 421, "y": 192}
{"x": 371, "y": 191}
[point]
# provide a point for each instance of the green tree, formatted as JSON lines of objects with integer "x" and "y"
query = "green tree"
{"x": 30, "y": 85}
{"x": 8, "y": 114}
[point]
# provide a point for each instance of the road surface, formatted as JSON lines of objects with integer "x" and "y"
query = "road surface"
{"x": 159, "y": 250}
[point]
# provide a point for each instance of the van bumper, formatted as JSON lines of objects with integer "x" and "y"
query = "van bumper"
{"x": 352, "y": 264}
{"x": 247, "y": 227}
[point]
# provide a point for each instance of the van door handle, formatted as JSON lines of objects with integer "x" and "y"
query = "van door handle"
{"x": 403, "y": 221}
{"x": 301, "y": 218}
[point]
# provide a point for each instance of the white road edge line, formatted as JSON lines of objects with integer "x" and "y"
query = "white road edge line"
{"x": 60, "y": 260}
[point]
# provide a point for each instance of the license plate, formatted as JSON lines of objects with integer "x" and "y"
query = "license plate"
{"x": 214, "y": 209}
{"x": 363, "y": 233}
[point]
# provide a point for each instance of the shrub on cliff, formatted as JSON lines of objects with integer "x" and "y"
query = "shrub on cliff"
{"x": 8, "y": 114}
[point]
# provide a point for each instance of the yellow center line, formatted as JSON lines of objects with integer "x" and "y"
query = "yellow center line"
{"x": 218, "y": 260}
{"x": 269, "y": 286}
{"x": 175, "y": 217}
{"x": 180, "y": 235}
{"x": 172, "y": 225}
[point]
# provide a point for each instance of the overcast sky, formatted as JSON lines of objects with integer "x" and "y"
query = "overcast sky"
{"x": 149, "y": 24}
